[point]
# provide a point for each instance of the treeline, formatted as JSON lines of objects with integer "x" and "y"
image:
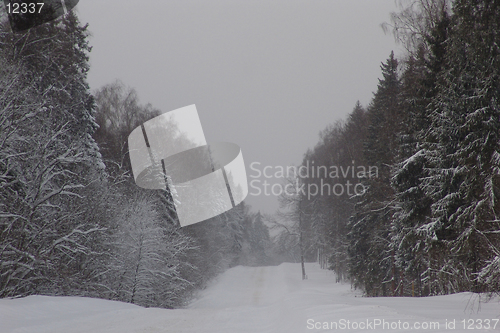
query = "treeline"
{"x": 72, "y": 220}
{"x": 427, "y": 220}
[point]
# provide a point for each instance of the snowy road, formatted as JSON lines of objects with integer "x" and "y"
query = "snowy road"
{"x": 257, "y": 300}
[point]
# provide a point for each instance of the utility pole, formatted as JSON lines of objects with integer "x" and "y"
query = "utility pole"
{"x": 304, "y": 276}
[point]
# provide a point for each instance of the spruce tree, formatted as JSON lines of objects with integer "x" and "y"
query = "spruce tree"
{"x": 371, "y": 257}
{"x": 412, "y": 215}
{"x": 464, "y": 144}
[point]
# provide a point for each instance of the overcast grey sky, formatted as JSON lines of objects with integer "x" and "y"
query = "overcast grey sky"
{"x": 265, "y": 74}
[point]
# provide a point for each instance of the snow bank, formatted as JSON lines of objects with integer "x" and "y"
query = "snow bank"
{"x": 257, "y": 300}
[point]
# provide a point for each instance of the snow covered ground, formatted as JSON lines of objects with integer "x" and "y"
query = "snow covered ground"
{"x": 257, "y": 300}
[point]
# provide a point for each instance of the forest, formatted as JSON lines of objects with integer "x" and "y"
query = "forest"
{"x": 72, "y": 220}
{"x": 426, "y": 222}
